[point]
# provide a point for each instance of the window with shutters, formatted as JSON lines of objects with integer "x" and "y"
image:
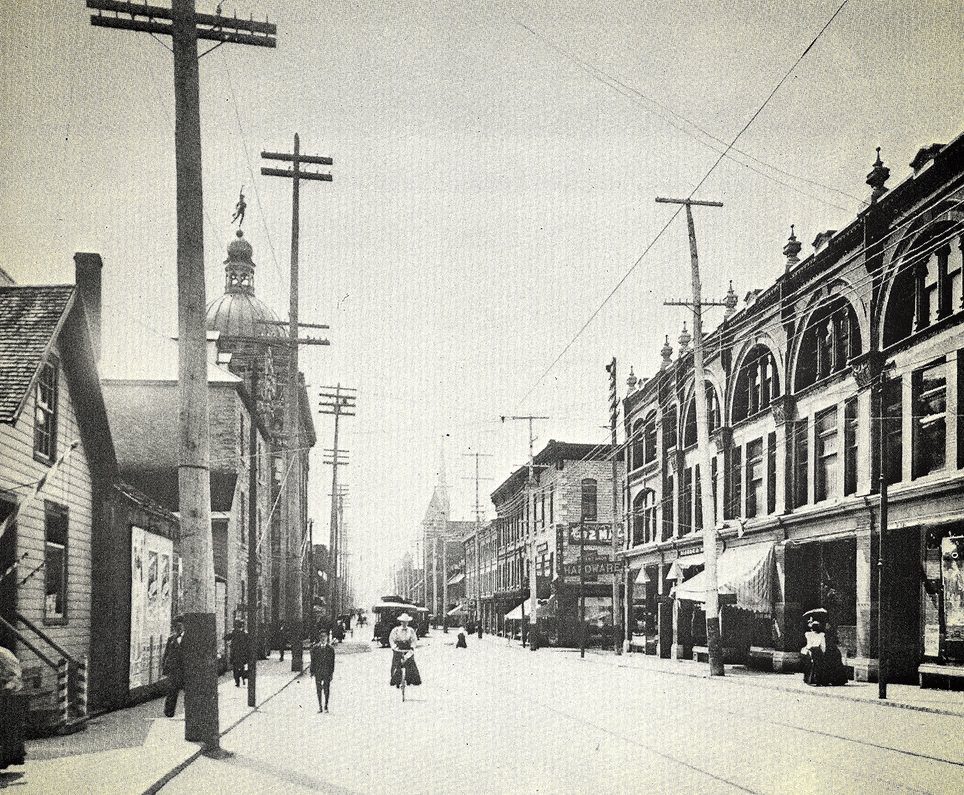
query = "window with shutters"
{"x": 754, "y": 477}
{"x": 929, "y": 386}
{"x": 825, "y": 457}
{"x": 801, "y": 462}
{"x": 850, "y": 446}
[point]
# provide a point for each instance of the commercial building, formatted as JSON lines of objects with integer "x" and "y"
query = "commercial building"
{"x": 857, "y": 344}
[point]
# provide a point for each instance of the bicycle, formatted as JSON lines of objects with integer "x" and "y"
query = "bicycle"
{"x": 403, "y": 672}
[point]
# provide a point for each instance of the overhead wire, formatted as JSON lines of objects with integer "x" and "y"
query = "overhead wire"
{"x": 676, "y": 213}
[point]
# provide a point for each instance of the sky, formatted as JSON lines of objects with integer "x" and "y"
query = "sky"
{"x": 495, "y": 169}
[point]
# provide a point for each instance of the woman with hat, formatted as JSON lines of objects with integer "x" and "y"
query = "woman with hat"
{"x": 402, "y": 641}
{"x": 822, "y": 662}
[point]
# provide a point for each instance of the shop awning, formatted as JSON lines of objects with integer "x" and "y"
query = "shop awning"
{"x": 678, "y": 566}
{"x": 641, "y": 578}
{"x": 457, "y": 579}
{"x": 598, "y": 608}
{"x": 458, "y": 610}
{"x": 515, "y": 614}
{"x": 746, "y": 571}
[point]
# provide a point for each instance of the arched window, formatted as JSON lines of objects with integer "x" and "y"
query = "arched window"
{"x": 589, "y": 513}
{"x": 644, "y": 517}
{"x": 928, "y": 285}
{"x": 757, "y": 383}
{"x": 636, "y": 448}
{"x": 649, "y": 439}
{"x": 829, "y": 341}
{"x": 712, "y": 416}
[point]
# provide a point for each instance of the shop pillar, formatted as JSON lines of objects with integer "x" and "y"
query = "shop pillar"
{"x": 786, "y": 614}
{"x": 865, "y": 663}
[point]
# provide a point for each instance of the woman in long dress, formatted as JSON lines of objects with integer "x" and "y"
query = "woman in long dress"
{"x": 822, "y": 661}
{"x": 402, "y": 641}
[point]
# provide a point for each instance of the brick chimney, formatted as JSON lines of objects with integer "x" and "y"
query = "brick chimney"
{"x": 87, "y": 268}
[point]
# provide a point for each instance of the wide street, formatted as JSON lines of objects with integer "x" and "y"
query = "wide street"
{"x": 495, "y": 718}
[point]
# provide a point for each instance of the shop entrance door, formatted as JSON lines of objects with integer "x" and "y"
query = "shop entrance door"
{"x": 904, "y": 589}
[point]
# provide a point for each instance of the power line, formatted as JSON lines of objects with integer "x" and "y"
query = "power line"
{"x": 706, "y": 176}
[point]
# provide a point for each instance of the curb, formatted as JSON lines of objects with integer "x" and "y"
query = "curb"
{"x": 171, "y": 774}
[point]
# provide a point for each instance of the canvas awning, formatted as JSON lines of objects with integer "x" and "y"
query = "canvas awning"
{"x": 458, "y": 610}
{"x": 515, "y": 614}
{"x": 457, "y": 579}
{"x": 641, "y": 578}
{"x": 677, "y": 567}
{"x": 746, "y": 571}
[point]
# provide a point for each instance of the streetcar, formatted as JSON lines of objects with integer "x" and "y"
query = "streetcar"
{"x": 386, "y": 614}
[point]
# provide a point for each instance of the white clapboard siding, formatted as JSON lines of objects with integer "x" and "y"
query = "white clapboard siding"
{"x": 70, "y": 486}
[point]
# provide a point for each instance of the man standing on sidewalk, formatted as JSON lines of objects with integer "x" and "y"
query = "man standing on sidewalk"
{"x": 172, "y": 666}
{"x": 323, "y": 669}
{"x": 240, "y": 649}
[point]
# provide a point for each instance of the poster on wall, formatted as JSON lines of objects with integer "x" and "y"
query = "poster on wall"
{"x": 952, "y": 575}
{"x": 137, "y": 603}
{"x": 152, "y": 588}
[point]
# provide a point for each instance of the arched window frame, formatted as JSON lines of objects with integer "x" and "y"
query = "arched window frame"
{"x": 644, "y": 517}
{"x": 757, "y": 383}
{"x": 830, "y": 339}
{"x": 712, "y": 415}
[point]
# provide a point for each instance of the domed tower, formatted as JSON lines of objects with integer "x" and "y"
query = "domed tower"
{"x": 241, "y": 318}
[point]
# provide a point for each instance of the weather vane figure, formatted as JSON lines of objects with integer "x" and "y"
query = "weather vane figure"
{"x": 239, "y": 208}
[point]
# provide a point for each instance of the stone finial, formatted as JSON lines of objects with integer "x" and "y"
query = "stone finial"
{"x": 791, "y": 250}
{"x": 878, "y": 175}
{"x": 631, "y": 381}
{"x": 684, "y": 339}
{"x": 730, "y": 302}
{"x": 667, "y": 353}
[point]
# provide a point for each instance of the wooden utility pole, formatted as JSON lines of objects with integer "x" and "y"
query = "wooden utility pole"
{"x": 294, "y": 511}
{"x": 713, "y": 645}
{"x": 339, "y": 401}
{"x": 882, "y": 611}
{"x": 253, "y": 558}
{"x": 185, "y": 27}
{"x": 530, "y": 488}
{"x": 613, "y": 417}
{"x": 478, "y": 542}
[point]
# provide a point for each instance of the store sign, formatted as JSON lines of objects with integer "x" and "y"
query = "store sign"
{"x": 592, "y": 568}
{"x": 598, "y": 533}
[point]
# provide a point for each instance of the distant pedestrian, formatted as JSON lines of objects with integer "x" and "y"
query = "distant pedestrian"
{"x": 460, "y": 643}
{"x": 280, "y": 638}
{"x": 172, "y": 666}
{"x": 323, "y": 669}
{"x": 240, "y": 649}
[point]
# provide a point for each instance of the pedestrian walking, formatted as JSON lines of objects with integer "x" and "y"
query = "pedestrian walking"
{"x": 460, "y": 643}
{"x": 13, "y": 708}
{"x": 239, "y": 650}
{"x": 172, "y": 666}
{"x": 280, "y": 638}
{"x": 323, "y": 669}
{"x": 402, "y": 640}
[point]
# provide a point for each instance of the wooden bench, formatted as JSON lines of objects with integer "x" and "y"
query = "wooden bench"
{"x": 946, "y": 672}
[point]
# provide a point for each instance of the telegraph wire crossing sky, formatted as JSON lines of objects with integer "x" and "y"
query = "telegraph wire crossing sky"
{"x": 495, "y": 169}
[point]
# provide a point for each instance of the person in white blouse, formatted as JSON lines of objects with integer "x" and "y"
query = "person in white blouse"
{"x": 402, "y": 642}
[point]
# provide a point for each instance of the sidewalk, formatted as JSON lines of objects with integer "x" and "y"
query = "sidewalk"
{"x": 942, "y": 702}
{"x": 130, "y": 750}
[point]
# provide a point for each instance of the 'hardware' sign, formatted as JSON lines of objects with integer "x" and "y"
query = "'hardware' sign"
{"x": 591, "y": 568}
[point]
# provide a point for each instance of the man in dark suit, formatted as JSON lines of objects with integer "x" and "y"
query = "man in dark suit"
{"x": 172, "y": 666}
{"x": 240, "y": 649}
{"x": 323, "y": 669}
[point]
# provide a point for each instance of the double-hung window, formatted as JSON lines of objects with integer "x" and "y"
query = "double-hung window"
{"x": 55, "y": 563}
{"x": 45, "y": 415}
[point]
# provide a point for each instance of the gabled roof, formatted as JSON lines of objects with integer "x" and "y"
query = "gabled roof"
{"x": 30, "y": 318}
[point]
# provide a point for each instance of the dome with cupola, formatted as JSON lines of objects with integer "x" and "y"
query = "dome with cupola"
{"x": 239, "y": 312}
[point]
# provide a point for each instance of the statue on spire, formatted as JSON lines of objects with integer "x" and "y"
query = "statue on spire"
{"x": 239, "y": 209}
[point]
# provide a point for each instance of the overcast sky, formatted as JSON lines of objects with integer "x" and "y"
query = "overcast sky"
{"x": 495, "y": 169}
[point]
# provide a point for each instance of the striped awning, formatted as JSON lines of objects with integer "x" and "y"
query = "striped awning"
{"x": 746, "y": 571}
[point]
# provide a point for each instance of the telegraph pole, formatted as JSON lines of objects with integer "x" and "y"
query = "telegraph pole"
{"x": 185, "y": 27}
{"x": 253, "y": 557}
{"x": 293, "y": 485}
{"x": 882, "y": 611}
{"x": 613, "y": 417}
{"x": 478, "y": 544}
{"x": 339, "y": 401}
{"x": 533, "y": 582}
{"x": 713, "y": 644}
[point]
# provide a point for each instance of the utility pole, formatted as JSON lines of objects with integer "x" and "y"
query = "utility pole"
{"x": 253, "y": 558}
{"x": 882, "y": 607}
{"x": 582, "y": 587}
{"x": 478, "y": 543}
{"x": 533, "y": 582}
{"x": 613, "y": 417}
{"x": 713, "y": 644}
{"x": 293, "y": 486}
{"x": 185, "y": 27}
{"x": 339, "y": 401}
